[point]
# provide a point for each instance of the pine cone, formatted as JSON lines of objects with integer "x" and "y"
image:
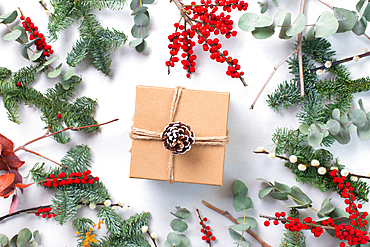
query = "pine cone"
{"x": 177, "y": 137}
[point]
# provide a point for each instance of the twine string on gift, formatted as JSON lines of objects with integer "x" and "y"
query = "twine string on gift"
{"x": 141, "y": 134}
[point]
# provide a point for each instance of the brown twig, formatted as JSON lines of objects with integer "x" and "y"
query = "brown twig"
{"x": 153, "y": 240}
{"x": 22, "y": 211}
{"x": 227, "y": 215}
{"x": 33, "y": 152}
{"x": 326, "y": 4}
{"x": 299, "y": 49}
{"x": 366, "y": 54}
{"x": 272, "y": 73}
{"x": 59, "y": 131}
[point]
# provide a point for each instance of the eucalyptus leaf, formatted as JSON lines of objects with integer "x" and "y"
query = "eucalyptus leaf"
{"x": 235, "y": 236}
{"x": 243, "y": 243}
{"x": 185, "y": 242}
{"x": 285, "y": 26}
{"x": 178, "y": 225}
{"x": 12, "y": 35}
{"x": 68, "y": 74}
{"x": 298, "y": 194}
{"x": 139, "y": 32}
{"x": 239, "y": 189}
{"x": 240, "y": 227}
{"x": 50, "y": 61}
{"x": 303, "y": 128}
{"x": 141, "y": 47}
{"x": 326, "y": 25}
{"x": 182, "y": 213}
{"x": 276, "y": 3}
{"x": 54, "y": 73}
{"x": 310, "y": 34}
{"x": 141, "y": 9}
{"x": 247, "y": 21}
{"x": 279, "y": 17}
{"x": 298, "y": 25}
{"x": 279, "y": 196}
{"x": 9, "y": 17}
{"x": 333, "y": 126}
{"x": 357, "y": 117}
{"x": 66, "y": 84}
{"x": 343, "y": 137}
{"x": 134, "y": 4}
{"x": 242, "y": 202}
{"x": 59, "y": 66}
{"x": 13, "y": 241}
{"x": 23, "y": 38}
{"x": 247, "y": 220}
{"x": 364, "y": 132}
{"x": 36, "y": 56}
{"x": 4, "y": 241}
{"x": 335, "y": 114}
{"x": 24, "y": 236}
{"x": 361, "y": 104}
{"x": 326, "y": 208}
{"x": 147, "y": 1}
{"x": 346, "y": 19}
{"x": 264, "y": 7}
{"x": 135, "y": 42}
{"x": 361, "y": 7}
{"x": 265, "y": 192}
{"x": 263, "y": 32}
{"x": 141, "y": 19}
{"x": 314, "y": 137}
{"x": 298, "y": 206}
{"x": 360, "y": 26}
{"x": 264, "y": 21}
{"x": 173, "y": 239}
{"x": 282, "y": 187}
{"x": 40, "y": 68}
{"x": 24, "y": 52}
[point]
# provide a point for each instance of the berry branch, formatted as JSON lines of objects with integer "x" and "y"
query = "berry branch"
{"x": 205, "y": 230}
{"x": 227, "y": 215}
{"x": 47, "y": 134}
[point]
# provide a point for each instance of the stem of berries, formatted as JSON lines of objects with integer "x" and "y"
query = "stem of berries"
{"x": 207, "y": 21}
{"x": 73, "y": 178}
{"x": 207, "y": 234}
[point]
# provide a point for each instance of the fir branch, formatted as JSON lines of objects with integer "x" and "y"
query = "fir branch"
{"x": 64, "y": 205}
{"x": 112, "y": 220}
{"x": 78, "y": 53}
{"x": 105, "y": 4}
{"x": 77, "y": 159}
{"x": 82, "y": 225}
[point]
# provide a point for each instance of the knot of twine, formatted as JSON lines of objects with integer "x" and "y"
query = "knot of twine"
{"x": 141, "y": 134}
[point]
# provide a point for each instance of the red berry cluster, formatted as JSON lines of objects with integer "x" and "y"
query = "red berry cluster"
{"x": 45, "y": 212}
{"x": 208, "y": 21}
{"x": 207, "y": 234}
{"x": 41, "y": 44}
{"x": 73, "y": 178}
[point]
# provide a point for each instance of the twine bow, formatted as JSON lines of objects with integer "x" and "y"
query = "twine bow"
{"x": 141, "y": 134}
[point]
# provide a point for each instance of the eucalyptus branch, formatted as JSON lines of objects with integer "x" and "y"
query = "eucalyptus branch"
{"x": 366, "y": 54}
{"x": 227, "y": 215}
{"x": 272, "y": 73}
{"x": 59, "y": 131}
{"x": 299, "y": 49}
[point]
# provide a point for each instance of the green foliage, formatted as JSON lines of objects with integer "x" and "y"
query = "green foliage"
{"x": 54, "y": 101}
{"x": 141, "y": 20}
{"x": 22, "y": 239}
{"x": 95, "y": 42}
{"x": 178, "y": 225}
{"x": 293, "y": 238}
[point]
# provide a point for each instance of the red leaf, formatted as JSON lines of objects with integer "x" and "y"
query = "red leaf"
{"x": 6, "y": 143}
{"x": 14, "y": 204}
{"x": 11, "y": 160}
{"x": 1, "y": 148}
{"x": 20, "y": 185}
{"x": 8, "y": 191}
{"x": 6, "y": 180}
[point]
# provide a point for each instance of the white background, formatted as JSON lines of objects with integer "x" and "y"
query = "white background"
{"x": 116, "y": 99}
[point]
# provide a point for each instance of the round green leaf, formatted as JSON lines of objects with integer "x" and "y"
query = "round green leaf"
{"x": 141, "y": 47}
{"x": 36, "y": 56}
{"x": 141, "y": 20}
{"x": 50, "y": 61}
{"x": 335, "y": 114}
{"x": 282, "y": 187}
{"x": 13, "y": 241}
{"x": 357, "y": 117}
{"x": 54, "y": 73}
{"x": 12, "y": 36}
{"x": 298, "y": 25}
{"x": 242, "y": 202}
{"x": 364, "y": 132}
{"x": 23, "y": 38}
{"x": 343, "y": 137}
{"x": 326, "y": 25}
{"x": 346, "y": 19}
{"x": 68, "y": 74}
{"x": 333, "y": 126}
{"x": 314, "y": 137}
{"x": 139, "y": 32}
{"x": 310, "y": 34}
{"x": 276, "y": 3}
{"x": 362, "y": 107}
{"x": 286, "y": 25}
{"x": 235, "y": 236}
{"x": 360, "y": 26}
{"x": 243, "y": 243}
{"x": 279, "y": 17}
{"x": 263, "y": 32}
{"x": 4, "y": 241}
{"x": 247, "y": 21}
{"x": 173, "y": 239}
{"x": 279, "y": 195}
{"x": 178, "y": 225}
{"x": 265, "y": 192}
{"x": 36, "y": 236}
{"x": 264, "y": 21}
{"x": 134, "y": 4}
{"x": 182, "y": 213}
{"x": 239, "y": 189}
{"x": 248, "y": 220}
{"x": 9, "y": 17}
{"x": 326, "y": 207}
{"x": 302, "y": 198}
{"x": 240, "y": 227}
{"x": 185, "y": 242}
{"x": 141, "y": 9}
{"x": 361, "y": 7}
{"x": 264, "y": 7}
{"x": 24, "y": 236}
{"x": 66, "y": 84}
{"x": 303, "y": 128}
{"x": 135, "y": 42}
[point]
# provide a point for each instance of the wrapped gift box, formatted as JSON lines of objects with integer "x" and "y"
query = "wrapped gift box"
{"x": 204, "y": 111}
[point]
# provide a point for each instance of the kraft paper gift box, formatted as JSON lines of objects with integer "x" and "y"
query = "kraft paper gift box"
{"x": 204, "y": 111}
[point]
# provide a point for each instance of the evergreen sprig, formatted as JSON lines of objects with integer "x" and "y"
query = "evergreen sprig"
{"x": 56, "y": 105}
{"x": 95, "y": 42}
{"x": 293, "y": 238}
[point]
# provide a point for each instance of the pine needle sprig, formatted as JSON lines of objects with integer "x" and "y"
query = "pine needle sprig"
{"x": 112, "y": 220}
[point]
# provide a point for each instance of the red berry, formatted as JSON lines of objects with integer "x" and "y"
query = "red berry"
{"x": 59, "y": 115}
{"x": 22, "y": 17}
{"x": 213, "y": 238}
{"x": 266, "y": 223}
{"x": 91, "y": 181}
{"x": 19, "y": 84}
{"x": 96, "y": 178}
